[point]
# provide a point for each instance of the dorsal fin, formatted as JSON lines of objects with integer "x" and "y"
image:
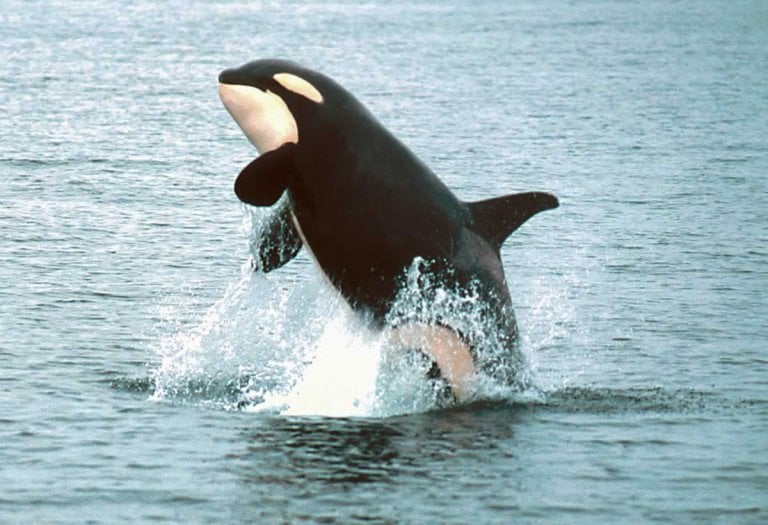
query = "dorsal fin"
{"x": 495, "y": 219}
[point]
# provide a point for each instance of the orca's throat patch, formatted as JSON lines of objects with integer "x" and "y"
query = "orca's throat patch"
{"x": 263, "y": 116}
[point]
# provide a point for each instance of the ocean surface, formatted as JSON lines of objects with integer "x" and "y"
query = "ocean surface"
{"x": 147, "y": 376}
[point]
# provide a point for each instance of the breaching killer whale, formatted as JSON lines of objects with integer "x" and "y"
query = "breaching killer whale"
{"x": 367, "y": 209}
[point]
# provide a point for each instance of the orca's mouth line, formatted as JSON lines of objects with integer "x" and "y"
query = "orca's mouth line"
{"x": 288, "y": 81}
{"x": 229, "y": 92}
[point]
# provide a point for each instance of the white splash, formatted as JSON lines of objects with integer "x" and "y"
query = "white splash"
{"x": 296, "y": 348}
{"x": 340, "y": 379}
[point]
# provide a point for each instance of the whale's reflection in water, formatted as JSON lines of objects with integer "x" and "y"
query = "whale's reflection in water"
{"x": 290, "y": 459}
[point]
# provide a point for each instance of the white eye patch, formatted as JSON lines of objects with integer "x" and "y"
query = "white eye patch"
{"x": 299, "y": 86}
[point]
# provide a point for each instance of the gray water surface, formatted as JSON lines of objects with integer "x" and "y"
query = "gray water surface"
{"x": 146, "y": 376}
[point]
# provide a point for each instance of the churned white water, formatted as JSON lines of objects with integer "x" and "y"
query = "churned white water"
{"x": 300, "y": 350}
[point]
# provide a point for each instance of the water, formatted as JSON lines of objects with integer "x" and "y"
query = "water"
{"x": 146, "y": 377}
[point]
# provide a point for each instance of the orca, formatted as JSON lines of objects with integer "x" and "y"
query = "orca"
{"x": 367, "y": 209}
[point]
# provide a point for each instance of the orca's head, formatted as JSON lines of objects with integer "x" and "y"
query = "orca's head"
{"x": 269, "y": 98}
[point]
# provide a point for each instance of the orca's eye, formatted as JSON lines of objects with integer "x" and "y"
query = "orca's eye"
{"x": 299, "y": 86}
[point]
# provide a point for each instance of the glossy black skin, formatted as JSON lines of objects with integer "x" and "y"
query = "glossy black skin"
{"x": 367, "y": 206}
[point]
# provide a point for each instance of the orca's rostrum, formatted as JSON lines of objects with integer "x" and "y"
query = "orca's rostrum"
{"x": 367, "y": 208}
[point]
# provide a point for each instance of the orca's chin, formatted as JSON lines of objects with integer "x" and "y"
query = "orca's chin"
{"x": 263, "y": 116}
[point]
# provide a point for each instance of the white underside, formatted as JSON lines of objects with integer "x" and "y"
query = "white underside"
{"x": 445, "y": 348}
{"x": 263, "y": 116}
